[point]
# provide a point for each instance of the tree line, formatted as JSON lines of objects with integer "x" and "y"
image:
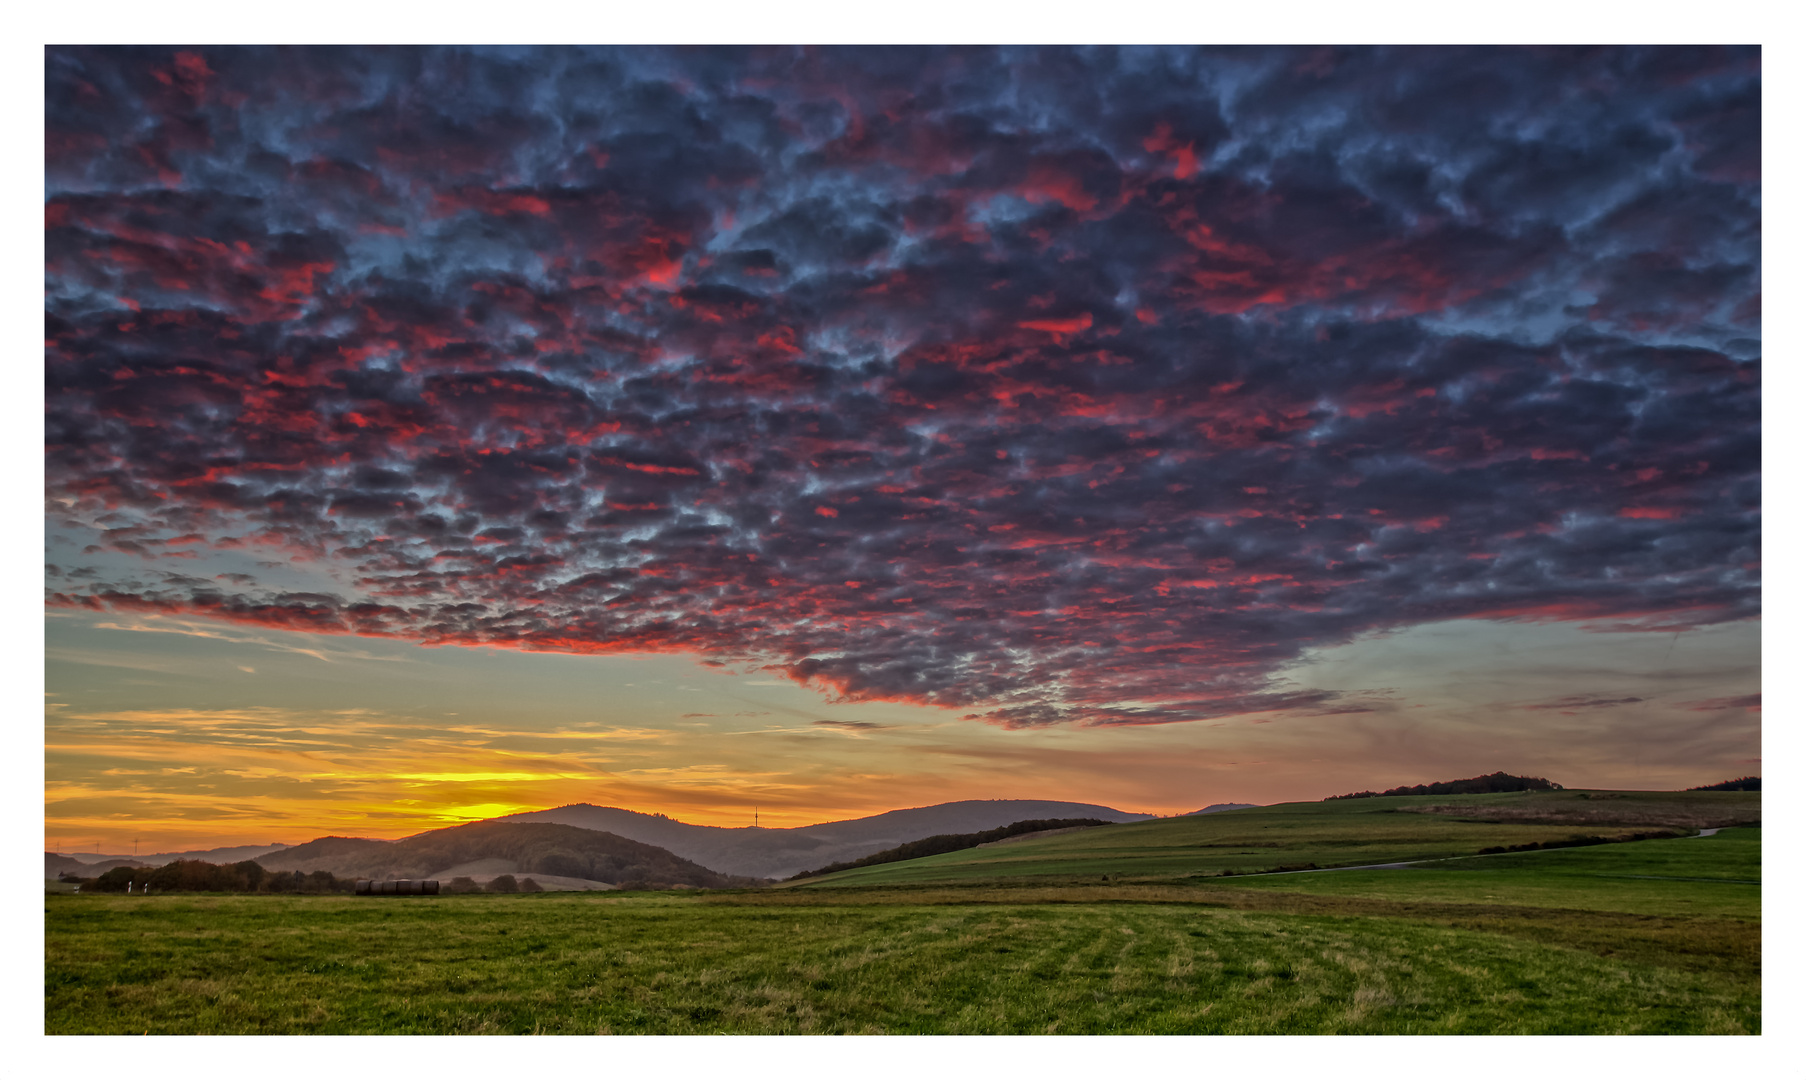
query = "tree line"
{"x": 939, "y": 845}
{"x": 193, "y": 875}
{"x": 1492, "y": 783}
{"x": 1742, "y": 783}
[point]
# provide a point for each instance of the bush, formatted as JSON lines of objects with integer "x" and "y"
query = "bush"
{"x": 504, "y": 883}
{"x": 529, "y": 885}
{"x": 114, "y": 880}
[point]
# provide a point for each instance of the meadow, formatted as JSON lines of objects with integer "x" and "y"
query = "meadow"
{"x": 1326, "y": 834}
{"x": 1651, "y": 936}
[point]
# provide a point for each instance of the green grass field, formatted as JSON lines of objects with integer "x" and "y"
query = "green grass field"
{"x": 1714, "y": 876}
{"x": 1645, "y": 937}
{"x": 1342, "y": 833}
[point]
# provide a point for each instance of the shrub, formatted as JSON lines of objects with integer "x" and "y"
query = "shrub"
{"x": 504, "y": 883}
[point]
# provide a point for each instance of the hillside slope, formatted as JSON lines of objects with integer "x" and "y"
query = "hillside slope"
{"x": 55, "y": 864}
{"x": 535, "y": 847}
{"x": 938, "y": 845}
{"x": 328, "y": 853}
{"x": 779, "y": 853}
{"x": 1343, "y": 832}
{"x": 219, "y": 856}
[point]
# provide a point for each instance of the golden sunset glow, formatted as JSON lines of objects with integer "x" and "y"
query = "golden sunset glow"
{"x": 858, "y": 430}
{"x": 464, "y": 735}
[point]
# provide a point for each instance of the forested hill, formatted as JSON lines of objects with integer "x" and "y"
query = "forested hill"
{"x": 536, "y": 848}
{"x": 328, "y": 853}
{"x": 1477, "y": 785}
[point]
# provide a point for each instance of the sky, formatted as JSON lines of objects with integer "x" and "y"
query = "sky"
{"x": 437, "y": 433}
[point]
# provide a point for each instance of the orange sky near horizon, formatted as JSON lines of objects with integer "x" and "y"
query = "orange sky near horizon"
{"x": 186, "y": 735}
{"x": 1150, "y": 427}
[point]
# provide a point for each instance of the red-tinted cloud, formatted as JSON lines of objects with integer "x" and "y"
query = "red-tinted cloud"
{"x": 1026, "y": 384}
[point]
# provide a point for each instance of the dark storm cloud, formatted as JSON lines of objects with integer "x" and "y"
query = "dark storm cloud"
{"x": 1048, "y": 385}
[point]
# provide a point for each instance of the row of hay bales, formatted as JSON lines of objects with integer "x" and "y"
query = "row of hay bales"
{"x": 401, "y": 887}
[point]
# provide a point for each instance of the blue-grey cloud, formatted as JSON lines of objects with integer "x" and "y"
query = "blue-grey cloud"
{"x": 1046, "y": 384}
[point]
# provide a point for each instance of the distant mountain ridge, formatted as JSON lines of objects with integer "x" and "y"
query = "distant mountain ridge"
{"x": 55, "y": 865}
{"x": 778, "y": 853}
{"x": 218, "y": 856}
{"x": 564, "y": 851}
{"x": 746, "y": 852}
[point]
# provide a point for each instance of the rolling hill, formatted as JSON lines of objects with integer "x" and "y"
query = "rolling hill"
{"x": 936, "y": 845}
{"x": 532, "y": 847}
{"x": 332, "y": 854}
{"x": 218, "y": 856}
{"x": 1341, "y": 832}
{"x": 779, "y": 853}
{"x": 55, "y": 864}
{"x": 58, "y": 864}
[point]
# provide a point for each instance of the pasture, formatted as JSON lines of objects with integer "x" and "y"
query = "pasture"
{"x": 1342, "y": 833}
{"x": 1646, "y": 937}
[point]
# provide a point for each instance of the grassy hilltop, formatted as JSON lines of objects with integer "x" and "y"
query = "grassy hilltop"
{"x": 1651, "y": 936}
{"x": 1334, "y": 833}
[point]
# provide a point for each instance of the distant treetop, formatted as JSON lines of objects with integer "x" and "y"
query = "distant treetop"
{"x": 940, "y": 845}
{"x": 1478, "y": 785}
{"x": 1742, "y": 783}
